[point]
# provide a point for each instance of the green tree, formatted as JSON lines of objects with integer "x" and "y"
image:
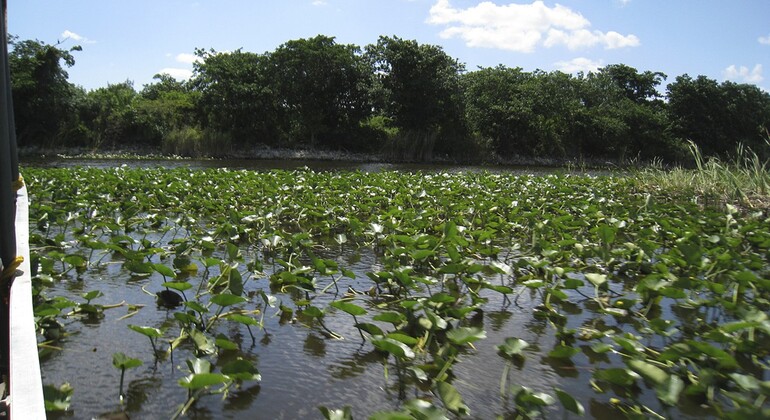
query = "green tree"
{"x": 638, "y": 87}
{"x": 418, "y": 89}
{"x": 624, "y": 115}
{"x": 44, "y": 105}
{"x": 164, "y": 107}
{"x": 323, "y": 86}
{"x": 237, "y": 96}
{"x": 718, "y": 116}
{"x": 498, "y": 110}
{"x": 110, "y": 116}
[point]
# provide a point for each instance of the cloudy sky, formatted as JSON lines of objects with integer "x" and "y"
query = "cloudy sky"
{"x": 134, "y": 40}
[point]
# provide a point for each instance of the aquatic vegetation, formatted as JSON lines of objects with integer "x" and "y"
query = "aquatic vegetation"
{"x": 649, "y": 302}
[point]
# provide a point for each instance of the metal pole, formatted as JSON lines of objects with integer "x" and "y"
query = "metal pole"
{"x": 7, "y": 164}
{"x": 9, "y": 99}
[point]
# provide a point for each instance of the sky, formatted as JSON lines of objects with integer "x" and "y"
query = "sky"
{"x": 135, "y": 40}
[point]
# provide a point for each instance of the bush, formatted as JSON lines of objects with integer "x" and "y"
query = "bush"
{"x": 194, "y": 142}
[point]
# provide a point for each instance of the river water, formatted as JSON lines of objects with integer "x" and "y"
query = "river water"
{"x": 301, "y": 368}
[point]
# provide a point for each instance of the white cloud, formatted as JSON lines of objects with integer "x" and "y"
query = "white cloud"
{"x": 743, "y": 74}
{"x": 67, "y": 34}
{"x": 320, "y": 3}
{"x": 522, "y": 27}
{"x": 176, "y": 73}
{"x": 764, "y": 40}
{"x": 579, "y": 64}
{"x": 187, "y": 58}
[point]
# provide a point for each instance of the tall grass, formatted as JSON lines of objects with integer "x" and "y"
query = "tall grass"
{"x": 194, "y": 142}
{"x": 742, "y": 180}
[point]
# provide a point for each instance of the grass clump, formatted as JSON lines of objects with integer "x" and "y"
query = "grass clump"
{"x": 743, "y": 180}
{"x": 194, "y": 142}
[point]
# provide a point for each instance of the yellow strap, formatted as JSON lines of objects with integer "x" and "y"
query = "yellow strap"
{"x": 10, "y": 271}
{"x": 18, "y": 183}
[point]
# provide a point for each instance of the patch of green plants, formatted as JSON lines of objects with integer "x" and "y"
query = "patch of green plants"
{"x": 662, "y": 301}
{"x": 743, "y": 179}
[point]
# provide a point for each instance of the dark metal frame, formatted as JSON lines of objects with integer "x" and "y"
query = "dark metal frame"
{"x": 9, "y": 174}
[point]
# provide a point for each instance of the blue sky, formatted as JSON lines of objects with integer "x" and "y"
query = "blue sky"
{"x": 134, "y": 40}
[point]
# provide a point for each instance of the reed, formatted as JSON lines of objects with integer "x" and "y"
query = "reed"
{"x": 743, "y": 179}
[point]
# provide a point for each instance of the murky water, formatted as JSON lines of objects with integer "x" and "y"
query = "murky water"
{"x": 301, "y": 367}
{"x": 286, "y": 164}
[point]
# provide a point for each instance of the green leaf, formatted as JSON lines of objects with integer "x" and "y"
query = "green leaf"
{"x": 563, "y": 352}
{"x": 203, "y": 343}
{"x": 452, "y": 399}
{"x": 235, "y": 283}
{"x": 392, "y": 317}
{"x": 199, "y": 365}
{"x": 465, "y": 335}
{"x": 513, "y": 347}
{"x": 242, "y": 370}
{"x": 596, "y": 279}
{"x": 348, "y": 307}
{"x": 148, "y": 331}
{"x": 669, "y": 391}
{"x": 422, "y": 254}
{"x": 616, "y": 376}
{"x": 724, "y": 359}
{"x": 164, "y": 271}
{"x": 121, "y": 361}
{"x": 57, "y": 398}
{"x": 606, "y": 234}
{"x": 139, "y": 267}
{"x": 226, "y": 299}
{"x": 178, "y": 285}
{"x": 442, "y": 298}
{"x": 242, "y": 319}
{"x": 569, "y": 402}
{"x": 396, "y": 348}
{"x": 225, "y": 344}
{"x": 403, "y": 338}
{"x": 92, "y": 295}
{"x": 600, "y": 348}
{"x": 195, "y": 306}
{"x": 313, "y": 312}
{"x": 202, "y": 380}
{"x": 370, "y": 328}
{"x": 648, "y": 371}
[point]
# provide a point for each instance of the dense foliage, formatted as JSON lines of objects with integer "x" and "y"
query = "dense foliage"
{"x": 635, "y": 303}
{"x": 407, "y": 100}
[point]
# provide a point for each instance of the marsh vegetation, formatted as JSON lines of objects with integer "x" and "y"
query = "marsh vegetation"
{"x": 397, "y": 294}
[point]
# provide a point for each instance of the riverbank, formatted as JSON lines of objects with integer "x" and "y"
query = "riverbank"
{"x": 261, "y": 152}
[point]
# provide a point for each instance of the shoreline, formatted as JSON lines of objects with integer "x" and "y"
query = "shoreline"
{"x": 269, "y": 153}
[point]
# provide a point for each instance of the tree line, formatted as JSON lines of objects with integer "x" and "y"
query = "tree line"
{"x": 405, "y": 100}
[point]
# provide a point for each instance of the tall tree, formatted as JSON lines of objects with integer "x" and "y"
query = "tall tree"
{"x": 718, "y": 116}
{"x": 419, "y": 89}
{"x": 110, "y": 116}
{"x": 237, "y": 96}
{"x": 499, "y": 108}
{"x": 323, "y": 87}
{"x": 43, "y": 97}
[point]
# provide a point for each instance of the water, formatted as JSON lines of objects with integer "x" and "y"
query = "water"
{"x": 286, "y": 164}
{"x": 301, "y": 367}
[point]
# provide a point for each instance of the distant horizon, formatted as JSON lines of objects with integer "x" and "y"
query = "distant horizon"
{"x": 134, "y": 42}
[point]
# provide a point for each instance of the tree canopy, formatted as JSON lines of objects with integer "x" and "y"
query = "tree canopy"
{"x": 407, "y": 100}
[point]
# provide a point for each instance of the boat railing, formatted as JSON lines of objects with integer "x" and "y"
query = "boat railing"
{"x": 21, "y": 389}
